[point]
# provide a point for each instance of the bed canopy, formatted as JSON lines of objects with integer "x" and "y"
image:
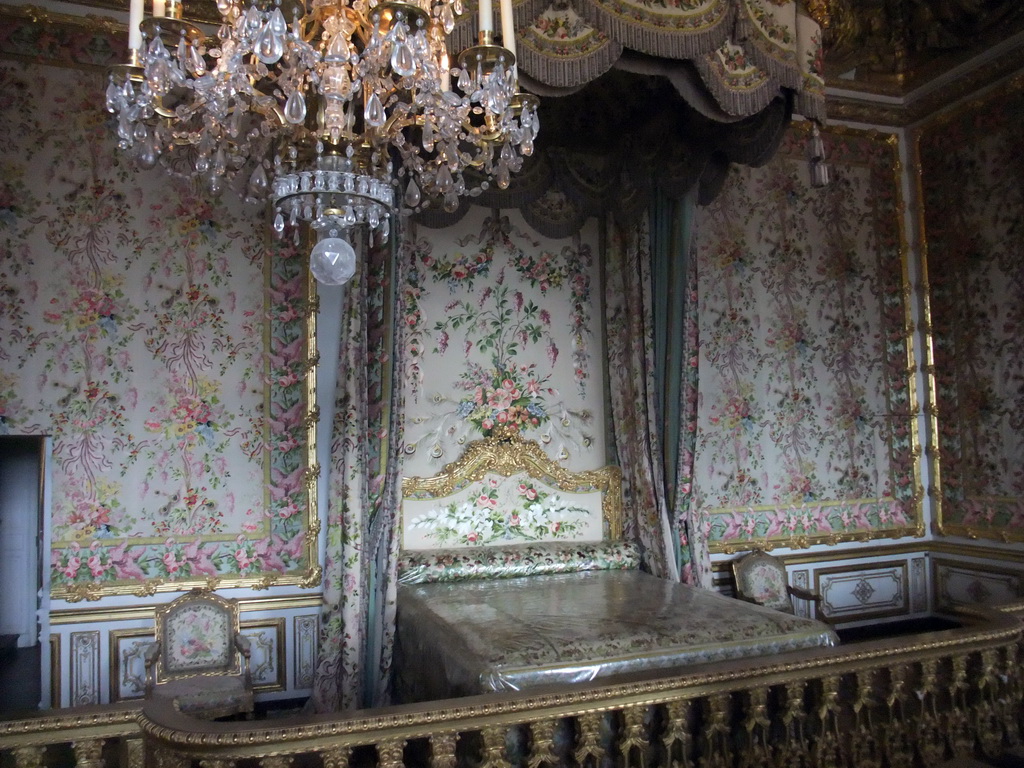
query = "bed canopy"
{"x": 643, "y": 92}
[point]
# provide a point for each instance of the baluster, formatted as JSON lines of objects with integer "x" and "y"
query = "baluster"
{"x": 29, "y": 757}
{"x": 792, "y": 751}
{"x": 1010, "y": 695}
{"x": 337, "y": 757}
{"x": 865, "y": 752}
{"x": 958, "y": 733}
{"x": 756, "y": 723}
{"x": 717, "y": 750}
{"x": 165, "y": 758}
{"x": 133, "y": 753}
{"x": 897, "y": 745}
{"x": 590, "y": 740}
{"x": 390, "y": 753}
{"x": 494, "y": 747}
{"x": 986, "y": 719}
{"x": 930, "y": 744}
{"x": 219, "y": 762}
{"x": 828, "y": 750}
{"x": 442, "y": 750}
{"x": 274, "y": 761}
{"x": 677, "y": 732}
{"x": 542, "y": 745}
{"x": 88, "y": 754}
{"x": 635, "y": 737}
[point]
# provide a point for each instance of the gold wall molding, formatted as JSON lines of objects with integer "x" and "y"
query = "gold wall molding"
{"x": 89, "y": 614}
{"x": 274, "y": 651}
{"x": 938, "y": 122}
{"x": 121, "y": 675}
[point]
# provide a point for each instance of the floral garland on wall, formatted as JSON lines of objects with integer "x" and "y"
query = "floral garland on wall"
{"x": 141, "y": 341}
{"x": 806, "y": 428}
{"x": 504, "y": 293}
{"x": 972, "y": 196}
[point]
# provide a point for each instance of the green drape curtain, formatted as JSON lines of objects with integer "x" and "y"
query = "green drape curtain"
{"x": 674, "y": 305}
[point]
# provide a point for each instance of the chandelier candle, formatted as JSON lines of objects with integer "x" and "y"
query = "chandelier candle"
{"x": 135, "y": 11}
{"x": 486, "y": 20}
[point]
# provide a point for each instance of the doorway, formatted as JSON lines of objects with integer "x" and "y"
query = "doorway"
{"x": 24, "y": 604}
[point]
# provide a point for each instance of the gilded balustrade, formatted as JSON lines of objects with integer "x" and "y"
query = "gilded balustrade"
{"x": 919, "y": 700}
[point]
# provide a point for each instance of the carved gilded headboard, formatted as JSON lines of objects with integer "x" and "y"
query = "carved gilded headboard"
{"x": 506, "y": 491}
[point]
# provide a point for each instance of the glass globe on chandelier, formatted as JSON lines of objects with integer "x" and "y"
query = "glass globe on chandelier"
{"x": 340, "y": 117}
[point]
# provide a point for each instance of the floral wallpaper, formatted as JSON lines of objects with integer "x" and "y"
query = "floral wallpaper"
{"x": 501, "y": 333}
{"x": 972, "y": 183}
{"x": 159, "y": 342}
{"x": 805, "y": 418}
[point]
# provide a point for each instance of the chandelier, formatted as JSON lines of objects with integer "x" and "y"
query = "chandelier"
{"x": 340, "y": 113}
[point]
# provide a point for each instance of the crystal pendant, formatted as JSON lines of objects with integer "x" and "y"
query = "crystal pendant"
{"x": 114, "y": 97}
{"x": 295, "y": 108}
{"x": 195, "y": 62}
{"x": 258, "y": 183}
{"x": 269, "y": 45}
{"x": 277, "y": 23}
{"x": 374, "y": 112}
{"x": 412, "y": 194}
{"x": 402, "y": 61}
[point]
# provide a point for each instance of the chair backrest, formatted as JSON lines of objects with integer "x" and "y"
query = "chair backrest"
{"x": 196, "y": 633}
{"x": 761, "y": 578}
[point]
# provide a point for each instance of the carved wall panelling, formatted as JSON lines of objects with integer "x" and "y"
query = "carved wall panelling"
{"x": 85, "y": 668}
{"x": 305, "y": 649}
{"x": 973, "y": 583}
{"x": 268, "y": 653}
{"x": 127, "y": 665}
{"x": 864, "y": 591}
{"x": 284, "y": 642}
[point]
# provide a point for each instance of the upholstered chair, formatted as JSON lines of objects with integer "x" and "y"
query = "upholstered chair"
{"x": 761, "y": 578}
{"x": 200, "y": 659}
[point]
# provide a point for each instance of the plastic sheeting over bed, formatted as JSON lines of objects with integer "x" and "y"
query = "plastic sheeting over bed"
{"x": 458, "y": 639}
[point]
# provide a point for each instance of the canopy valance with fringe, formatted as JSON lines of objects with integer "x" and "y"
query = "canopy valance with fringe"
{"x": 745, "y": 51}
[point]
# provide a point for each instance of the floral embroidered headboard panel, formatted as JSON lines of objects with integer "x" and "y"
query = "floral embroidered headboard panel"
{"x": 506, "y": 491}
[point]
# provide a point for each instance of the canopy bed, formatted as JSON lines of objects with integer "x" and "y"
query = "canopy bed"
{"x": 534, "y": 585}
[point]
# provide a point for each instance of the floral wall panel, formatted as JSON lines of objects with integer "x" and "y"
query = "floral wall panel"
{"x": 806, "y": 427}
{"x": 972, "y": 184}
{"x": 503, "y": 331}
{"x": 151, "y": 334}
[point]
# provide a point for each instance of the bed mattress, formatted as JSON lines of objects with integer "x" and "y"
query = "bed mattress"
{"x": 459, "y": 639}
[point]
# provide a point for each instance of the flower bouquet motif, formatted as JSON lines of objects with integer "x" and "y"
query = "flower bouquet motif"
{"x": 502, "y": 396}
{"x": 531, "y": 514}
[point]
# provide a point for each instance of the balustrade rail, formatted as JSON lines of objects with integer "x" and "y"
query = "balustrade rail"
{"x": 919, "y": 700}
